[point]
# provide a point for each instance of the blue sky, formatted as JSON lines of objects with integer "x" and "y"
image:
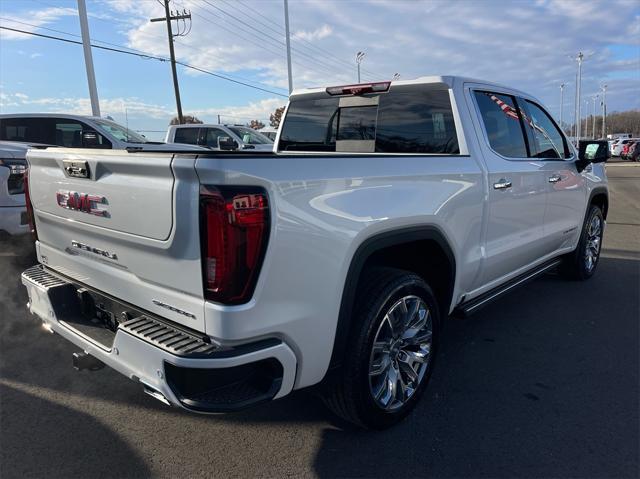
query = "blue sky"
{"x": 524, "y": 44}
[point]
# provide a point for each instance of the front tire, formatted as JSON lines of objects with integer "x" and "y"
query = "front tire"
{"x": 391, "y": 350}
{"x": 582, "y": 263}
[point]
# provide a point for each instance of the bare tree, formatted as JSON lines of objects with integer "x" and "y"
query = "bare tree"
{"x": 275, "y": 117}
{"x": 617, "y": 122}
{"x": 187, "y": 119}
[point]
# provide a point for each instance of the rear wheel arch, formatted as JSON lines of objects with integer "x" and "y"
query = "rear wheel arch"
{"x": 396, "y": 249}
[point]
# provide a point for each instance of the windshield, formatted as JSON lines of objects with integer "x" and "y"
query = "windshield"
{"x": 120, "y": 132}
{"x": 250, "y": 136}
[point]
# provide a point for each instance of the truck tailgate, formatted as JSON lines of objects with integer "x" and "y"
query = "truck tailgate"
{"x": 110, "y": 219}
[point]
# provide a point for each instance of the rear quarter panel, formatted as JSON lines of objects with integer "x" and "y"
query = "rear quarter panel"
{"x": 324, "y": 208}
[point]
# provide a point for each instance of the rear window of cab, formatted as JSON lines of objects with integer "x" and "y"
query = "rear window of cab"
{"x": 399, "y": 121}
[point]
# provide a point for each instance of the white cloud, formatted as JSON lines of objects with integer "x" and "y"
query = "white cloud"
{"x": 317, "y": 34}
{"x": 522, "y": 44}
{"x": 37, "y": 18}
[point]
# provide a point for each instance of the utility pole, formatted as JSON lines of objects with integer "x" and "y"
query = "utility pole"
{"x": 561, "y": 104}
{"x": 288, "y": 41}
{"x": 359, "y": 58}
{"x": 604, "y": 110}
{"x": 218, "y": 119}
{"x": 88, "y": 58}
{"x": 168, "y": 17}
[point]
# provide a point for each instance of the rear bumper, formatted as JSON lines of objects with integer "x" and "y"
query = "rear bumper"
{"x": 220, "y": 380}
{"x": 13, "y": 220}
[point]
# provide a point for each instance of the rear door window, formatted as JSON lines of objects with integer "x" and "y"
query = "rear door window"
{"x": 502, "y": 124}
{"x": 400, "y": 121}
{"x": 548, "y": 141}
{"x": 69, "y": 133}
{"x": 417, "y": 123}
{"x": 31, "y": 130}
{"x": 212, "y": 135}
{"x": 187, "y": 135}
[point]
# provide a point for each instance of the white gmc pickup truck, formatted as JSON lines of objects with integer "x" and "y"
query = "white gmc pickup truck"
{"x": 220, "y": 280}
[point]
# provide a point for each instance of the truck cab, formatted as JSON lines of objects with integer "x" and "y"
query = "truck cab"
{"x": 233, "y": 137}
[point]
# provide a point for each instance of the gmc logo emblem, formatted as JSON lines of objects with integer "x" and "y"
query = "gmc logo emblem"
{"x": 83, "y": 202}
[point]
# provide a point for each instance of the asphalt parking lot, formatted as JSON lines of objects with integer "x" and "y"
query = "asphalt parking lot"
{"x": 543, "y": 383}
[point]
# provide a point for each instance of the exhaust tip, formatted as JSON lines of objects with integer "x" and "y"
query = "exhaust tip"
{"x": 84, "y": 361}
{"x": 154, "y": 393}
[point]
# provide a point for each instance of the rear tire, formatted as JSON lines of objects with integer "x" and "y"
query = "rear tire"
{"x": 391, "y": 350}
{"x": 582, "y": 263}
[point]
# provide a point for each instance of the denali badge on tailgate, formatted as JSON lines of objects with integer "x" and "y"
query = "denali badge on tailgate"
{"x": 76, "y": 169}
{"x": 83, "y": 202}
{"x": 91, "y": 249}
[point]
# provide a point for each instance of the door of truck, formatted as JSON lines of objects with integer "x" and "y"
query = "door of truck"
{"x": 516, "y": 191}
{"x": 566, "y": 187}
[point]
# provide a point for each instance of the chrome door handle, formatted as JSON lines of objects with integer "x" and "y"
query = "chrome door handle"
{"x": 502, "y": 184}
{"x": 555, "y": 178}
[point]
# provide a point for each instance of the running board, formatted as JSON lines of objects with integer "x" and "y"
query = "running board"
{"x": 468, "y": 308}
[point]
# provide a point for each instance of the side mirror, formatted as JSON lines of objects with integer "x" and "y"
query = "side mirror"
{"x": 226, "y": 143}
{"x": 89, "y": 139}
{"x": 592, "y": 151}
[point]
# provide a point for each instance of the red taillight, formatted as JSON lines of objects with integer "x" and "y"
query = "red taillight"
{"x": 27, "y": 200}
{"x": 234, "y": 231}
{"x": 359, "y": 89}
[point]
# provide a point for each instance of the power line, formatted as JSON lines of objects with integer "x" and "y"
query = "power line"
{"x": 263, "y": 45}
{"x": 326, "y": 53}
{"x": 143, "y": 55}
{"x": 191, "y": 47}
{"x": 272, "y": 40}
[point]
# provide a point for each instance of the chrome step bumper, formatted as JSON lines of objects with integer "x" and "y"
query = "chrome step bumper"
{"x": 145, "y": 348}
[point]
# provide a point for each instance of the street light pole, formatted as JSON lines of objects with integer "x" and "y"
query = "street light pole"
{"x": 288, "y": 41}
{"x": 359, "y": 58}
{"x": 593, "y": 129}
{"x": 579, "y": 58}
{"x": 586, "y": 117}
{"x": 604, "y": 110}
{"x": 88, "y": 58}
{"x": 561, "y": 104}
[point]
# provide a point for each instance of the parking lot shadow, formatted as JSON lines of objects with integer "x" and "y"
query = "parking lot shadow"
{"x": 544, "y": 383}
{"x": 44, "y": 439}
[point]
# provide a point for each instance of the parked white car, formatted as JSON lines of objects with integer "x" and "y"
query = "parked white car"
{"x": 76, "y": 131}
{"x": 233, "y": 137}
{"x": 221, "y": 280}
{"x": 13, "y": 212}
{"x": 269, "y": 131}
{"x": 617, "y": 147}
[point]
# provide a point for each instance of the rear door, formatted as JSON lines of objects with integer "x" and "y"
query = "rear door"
{"x": 566, "y": 187}
{"x": 517, "y": 188}
{"x": 124, "y": 223}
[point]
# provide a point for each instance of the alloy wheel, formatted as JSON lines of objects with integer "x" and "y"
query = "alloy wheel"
{"x": 401, "y": 352}
{"x": 594, "y": 241}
